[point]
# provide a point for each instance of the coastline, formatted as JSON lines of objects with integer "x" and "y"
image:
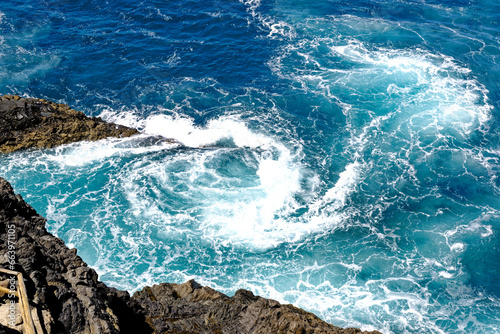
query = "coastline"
{"x": 66, "y": 295}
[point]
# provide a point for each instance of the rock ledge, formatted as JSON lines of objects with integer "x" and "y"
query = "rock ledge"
{"x": 35, "y": 123}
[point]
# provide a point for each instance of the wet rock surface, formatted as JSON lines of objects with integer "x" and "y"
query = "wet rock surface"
{"x": 67, "y": 296}
{"x": 35, "y": 123}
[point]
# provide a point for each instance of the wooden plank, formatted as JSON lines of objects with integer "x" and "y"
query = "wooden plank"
{"x": 21, "y": 308}
{"x": 28, "y": 323}
{"x": 11, "y": 272}
{"x": 9, "y": 291}
{"x": 22, "y": 296}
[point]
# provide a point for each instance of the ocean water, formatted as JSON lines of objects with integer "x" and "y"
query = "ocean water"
{"x": 343, "y": 156}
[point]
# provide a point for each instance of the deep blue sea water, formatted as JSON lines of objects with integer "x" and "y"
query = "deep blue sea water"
{"x": 343, "y": 156}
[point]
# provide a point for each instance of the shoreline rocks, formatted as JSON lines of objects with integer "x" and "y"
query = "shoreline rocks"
{"x": 36, "y": 123}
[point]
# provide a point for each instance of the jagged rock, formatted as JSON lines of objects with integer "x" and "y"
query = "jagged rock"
{"x": 56, "y": 278}
{"x": 192, "y": 308}
{"x": 35, "y": 123}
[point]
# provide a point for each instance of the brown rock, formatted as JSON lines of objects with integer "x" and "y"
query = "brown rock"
{"x": 36, "y": 123}
{"x": 192, "y": 308}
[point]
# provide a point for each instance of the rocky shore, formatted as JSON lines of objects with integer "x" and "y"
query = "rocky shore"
{"x": 35, "y": 123}
{"x": 66, "y": 295}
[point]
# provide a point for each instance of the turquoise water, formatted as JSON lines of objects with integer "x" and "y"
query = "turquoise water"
{"x": 340, "y": 156}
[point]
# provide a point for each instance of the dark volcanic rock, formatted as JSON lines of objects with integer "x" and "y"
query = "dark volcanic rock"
{"x": 28, "y": 122}
{"x": 68, "y": 297}
{"x": 63, "y": 290}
